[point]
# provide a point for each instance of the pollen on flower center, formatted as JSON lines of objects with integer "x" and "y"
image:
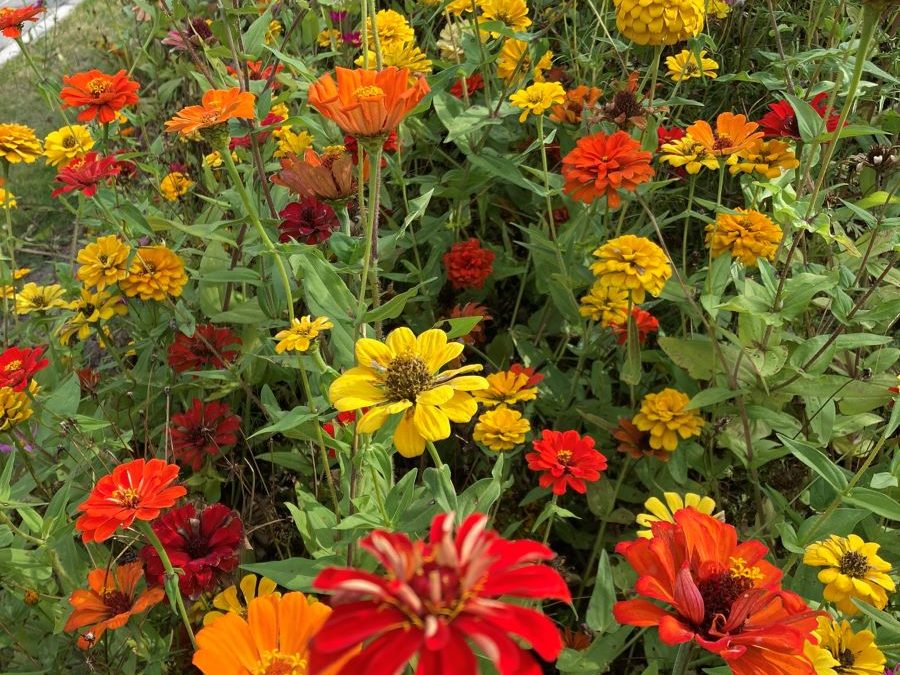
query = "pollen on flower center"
{"x": 69, "y": 142}
{"x": 127, "y": 497}
{"x": 854, "y": 564}
{"x": 564, "y": 457}
{"x": 719, "y": 592}
{"x": 368, "y": 93}
{"x": 407, "y": 377}
{"x": 97, "y": 86}
{"x": 13, "y": 365}
{"x": 722, "y": 143}
{"x": 275, "y": 663}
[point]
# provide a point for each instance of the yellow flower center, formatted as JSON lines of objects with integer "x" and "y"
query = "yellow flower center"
{"x": 334, "y": 150}
{"x": 128, "y": 497}
{"x": 97, "y": 86}
{"x": 13, "y": 366}
{"x": 564, "y": 457}
{"x": 369, "y": 93}
{"x": 407, "y": 376}
{"x": 854, "y": 564}
{"x": 739, "y": 569}
{"x": 276, "y": 663}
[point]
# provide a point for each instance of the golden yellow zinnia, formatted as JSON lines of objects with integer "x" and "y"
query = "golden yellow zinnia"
{"x": 15, "y": 407}
{"x": 103, "y": 262}
{"x": 228, "y": 602}
{"x": 401, "y": 376}
{"x": 508, "y": 387}
{"x": 688, "y": 153}
{"x": 663, "y": 414}
{"x": 35, "y": 298}
{"x": 659, "y": 22}
{"x": 156, "y": 272}
{"x": 501, "y": 429}
{"x": 7, "y": 198}
{"x": 747, "y": 234}
{"x": 18, "y": 144}
{"x": 91, "y": 308}
{"x": 836, "y": 649}
{"x": 175, "y": 185}
{"x": 632, "y": 263}
{"x": 512, "y": 13}
{"x": 606, "y": 304}
{"x": 538, "y": 98}
{"x": 290, "y": 142}
{"x": 393, "y": 29}
{"x": 514, "y": 61}
{"x": 301, "y": 335}
{"x": 665, "y": 512}
{"x": 685, "y": 65}
{"x": 400, "y": 55}
{"x": 67, "y": 143}
{"x": 766, "y": 158}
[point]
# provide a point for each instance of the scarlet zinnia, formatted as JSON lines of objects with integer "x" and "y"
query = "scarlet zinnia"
{"x": 86, "y": 173}
{"x": 718, "y": 593}
{"x": 308, "y": 221}
{"x": 100, "y": 95}
{"x": 203, "y": 545}
{"x": 209, "y": 347}
{"x": 644, "y": 321}
{"x": 217, "y": 107}
{"x": 781, "y": 120}
{"x": 603, "y": 165}
{"x": 203, "y": 429}
{"x": 436, "y": 595}
{"x": 12, "y": 19}
{"x": 567, "y": 460}
{"x": 18, "y": 366}
{"x": 136, "y": 490}
{"x": 468, "y": 265}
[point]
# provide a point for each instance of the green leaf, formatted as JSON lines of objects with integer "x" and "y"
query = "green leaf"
{"x": 255, "y": 36}
{"x": 294, "y": 574}
{"x": 695, "y": 356}
{"x": 808, "y": 120}
{"x": 393, "y": 307}
{"x": 287, "y": 422}
{"x": 441, "y": 487}
{"x": 883, "y": 619}
{"x": 599, "y": 615}
{"x": 459, "y": 327}
{"x": 875, "y": 501}
{"x": 817, "y": 461}
{"x": 711, "y": 396}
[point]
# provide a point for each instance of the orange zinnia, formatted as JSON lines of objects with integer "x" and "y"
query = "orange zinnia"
{"x": 733, "y": 134}
{"x": 328, "y": 176}
{"x": 109, "y": 601}
{"x": 218, "y": 106}
{"x": 136, "y": 490}
{"x": 102, "y": 96}
{"x": 367, "y": 103}
{"x": 13, "y": 19}
{"x": 602, "y": 165}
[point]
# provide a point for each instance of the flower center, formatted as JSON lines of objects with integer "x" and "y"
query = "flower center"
{"x": 69, "y": 142}
{"x": 275, "y": 663}
{"x": 847, "y": 661}
{"x": 722, "y": 143}
{"x": 407, "y": 377}
{"x": 128, "y": 497}
{"x": 369, "y": 93}
{"x": 719, "y": 591}
{"x": 564, "y": 457}
{"x": 854, "y": 564}
{"x": 117, "y": 602}
{"x": 98, "y": 86}
{"x": 13, "y": 366}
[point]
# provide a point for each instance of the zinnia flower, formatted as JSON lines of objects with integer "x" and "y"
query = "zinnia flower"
{"x": 135, "y": 490}
{"x": 103, "y": 262}
{"x": 18, "y": 144}
{"x": 100, "y": 95}
{"x": 302, "y": 334}
{"x": 635, "y": 443}
{"x": 781, "y": 120}
{"x": 67, "y": 143}
{"x": 839, "y": 650}
{"x": 109, "y": 601}
{"x": 175, "y": 185}
{"x": 156, "y": 273}
{"x": 468, "y": 265}
{"x": 18, "y": 366}
{"x": 567, "y": 460}
{"x": 400, "y": 55}
{"x": 514, "y": 61}
{"x": 746, "y": 234}
{"x": 308, "y": 221}
{"x": 632, "y": 263}
{"x": 402, "y": 376}
{"x": 204, "y": 546}
{"x": 538, "y": 98}
{"x": 91, "y": 308}
{"x": 7, "y": 201}
{"x": 329, "y": 176}
{"x": 204, "y": 429}
{"x": 602, "y": 165}
{"x": 512, "y": 13}
{"x": 767, "y": 158}
{"x": 605, "y": 304}
{"x": 717, "y": 593}
{"x": 473, "y": 83}
{"x": 216, "y": 108}
{"x": 733, "y": 134}
{"x": 685, "y": 65}
{"x": 508, "y": 387}
{"x": 229, "y": 603}
{"x": 392, "y": 27}
{"x": 274, "y": 638}
{"x": 15, "y": 407}
{"x": 12, "y": 19}
{"x": 659, "y": 22}
{"x": 85, "y": 173}
{"x": 436, "y": 595}
{"x": 290, "y": 142}
{"x": 644, "y": 321}
{"x": 34, "y": 298}
{"x": 853, "y": 569}
{"x": 660, "y": 512}
{"x": 366, "y": 103}
{"x": 472, "y": 309}
{"x": 689, "y": 154}
{"x": 664, "y": 416}
{"x": 577, "y": 100}
{"x": 209, "y": 347}
{"x": 501, "y": 429}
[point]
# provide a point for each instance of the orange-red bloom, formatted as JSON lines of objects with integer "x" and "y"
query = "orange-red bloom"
{"x": 109, "y": 601}
{"x": 12, "y": 19}
{"x": 603, "y": 165}
{"x": 367, "y": 103}
{"x": 102, "y": 96}
{"x": 136, "y": 490}
{"x": 328, "y": 176}
{"x": 218, "y": 106}
{"x": 733, "y": 134}
{"x": 718, "y": 593}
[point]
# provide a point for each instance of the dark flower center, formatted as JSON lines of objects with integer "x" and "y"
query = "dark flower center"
{"x": 69, "y": 142}
{"x": 719, "y": 593}
{"x": 847, "y": 660}
{"x": 117, "y": 602}
{"x": 407, "y": 377}
{"x": 127, "y": 497}
{"x": 854, "y": 564}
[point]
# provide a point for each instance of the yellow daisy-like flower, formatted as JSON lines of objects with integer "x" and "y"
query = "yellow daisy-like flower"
{"x": 450, "y": 41}
{"x": 658, "y": 511}
{"x": 155, "y": 273}
{"x": 8, "y": 290}
{"x": 229, "y": 603}
{"x": 632, "y": 263}
{"x": 280, "y": 110}
{"x": 402, "y": 376}
{"x": 301, "y": 335}
{"x": 400, "y": 55}
{"x": 18, "y": 144}
{"x": 15, "y": 407}
{"x": 509, "y": 68}
{"x": 35, "y": 298}
{"x": 393, "y": 29}
{"x": 273, "y": 33}
{"x": 606, "y": 304}
{"x": 508, "y": 387}
{"x": 325, "y": 37}
{"x": 748, "y": 235}
{"x": 838, "y": 650}
{"x": 538, "y": 98}
{"x": 659, "y": 22}
{"x": 664, "y": 416}
{"x": 67, "y": 143}
{"x": 7, "y": 198}
{"x": 512, "y": 13}
{"x": 718, "y": 8}
{"x": 767, "y": 158}
{"x": 175, "y": 185}
{"x": 688, "y": 153}
{"x": 291, "y": 143}
{"x": 214, "y": 159}
{"x": 501, "y": 429}
{"x": 91, "y": 308}
{"x": 104, "y": 262}
{"x": 685, "y": 65}
{"x": 852, "y": 570}
{"x": 458, "y": 7}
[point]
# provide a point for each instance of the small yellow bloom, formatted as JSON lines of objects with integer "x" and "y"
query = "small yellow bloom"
{"x": 632, "y": 263}
{"x": 508, "y": 387}
{"x": 664, "y": 416}
{"x": 853, "y": 569}
{"x": 501, "y": 429}
{"x": 7, "y": 198}
{"x": 175, "y": 185}
{"x": 325, "y": 37}
{"x": 91, "y": 308}
{"x": 659, "y": 512}
{"x": 291, "y": 143}
{"x": 659, "y": 22}
{"x": 67, "y": 143}
{"x": 512, "y": 13}
{"x": 301, "y": 335}
{"x": 35, "y": 298}
{"x": 400, "y": 55}
{"x": 393, "y": 29}
{"x": 280, "y": 110}
{"x": 747, "y": 234}
{"x": 538, "y": 98}
{"x": 767, "y": 158}
{"x": 509, "y": 67}
{"x": 15, "y": 407}
{"x": 688, "y": 153}
{"x": 606, "y": 304}
{"x": 458, "y": 7}
{"x": 18, "y": 144}
{"x": 684, "y": 65}
{"x": 837, "y": 650}
{"x": 103, "y": 262}
{"x": 156, "y": 272}
{"x": 718, "y": 8}
{"x": 228, "y": 601}
{"x": 273, "y": 33}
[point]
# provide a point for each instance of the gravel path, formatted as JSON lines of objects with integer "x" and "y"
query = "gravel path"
{"x": 57, "y": 10}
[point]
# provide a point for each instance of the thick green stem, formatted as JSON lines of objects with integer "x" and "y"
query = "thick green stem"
{"x": 683, "y": 659}
{"x": 371, "y": 235}
{"x": 323, "y": 451}
{"x": 550, "y": 519}
{"x": 435, "y": 457}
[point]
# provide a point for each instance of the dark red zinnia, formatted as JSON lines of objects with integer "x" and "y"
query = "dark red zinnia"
{"x": 204, "y": 546}
{"x": 18, "y": 366}
{"x": 646, "y": 323}
{"x": 203, "y": 429}
{"x": 473, "y": 83}
{"x": 781, "y": 120}
{"x": 86, "y": 173}
{"x": 664, "y": 136}
{"x": 567, "y": 460}
{"x": 309, "y": 221}
{"x": 468, "y": 265}
{"x": 209, "y": 347}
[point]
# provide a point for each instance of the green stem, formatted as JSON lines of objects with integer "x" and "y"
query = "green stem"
{"x": 687, "y": 221}
{"x": 10, "y": 237}
{"x": 683, "y": 659}
{"x": 550, "y": 519}
{"x": 371, "y": 235}
{"x": 323, "y": 451}
{"x": 375, "y": 38}
{"x": 435, "y": 457}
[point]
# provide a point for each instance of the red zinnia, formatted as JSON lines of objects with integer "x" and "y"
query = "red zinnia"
{"x": 473, "y": 83}
{"x": 137, "y": 489}
{"x": 390, "y": 145}
{"x": 468, "y": 265}
{"x": 256, "y": 71}
{"x": 781, "y": 120}
{"x": 86, "y": 173}
{"x": 204, "y": 429}
{"x": 309, "y": 221}
{"x": 718, "y": 593}
{"x": 207, "y": 348}
{"x": 568, "y": 460}
{"x": 434, "y": 596}
{"x": 12, "y": 19}
{"x": 343, "y": 419}
{"x": 664, "y": 135}
{"x": 204, "y": 546}
{"x": 261, "y": 136}
{"x": 534, "y": 379}
{"x": 101, "y": 95}
{"x": 18, "y": 366}
{"x": 603, "y": 165}
{"x": 646, "y": 323}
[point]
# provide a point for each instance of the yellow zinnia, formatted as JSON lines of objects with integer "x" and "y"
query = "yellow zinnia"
{"x": 291, "y": 142}
{"x": 514, "y": 61}
{"x": 301, "y": 335}
{"x": 155, "y": 273}
{"x": 538, "y": 98}
{"x": 664, "y": 416}
{"x": 660, "y": 512}
{"x": 606, "y": 304}
{"x": 229, "y": 603}
{"x": 104, "y": 262}
{"x": 7, "y": 198}
{"x": 501, "y": 429}
{"x": 402, "y": 376}
{"x": 15, "y": 407}
{"x": 67, "y": 143}
{"x": 853, "y": 569}
{"x": 747, "y": 234}
{"x": 688, "y": 153}
{"x": 837, "y": 649}
{"x": 175, "y": 185}
{"x": 35, "y": 298}
{"x": 685, "y": 65}
{"x": 512, "y": 13}
{"x": 18, "y": 144}
{"x": 767, "y": 158}
{"x": 632, "y": 263}
{"x": 400, "y": 55}
{"x": 393, "y": 29}
{"x": 659, "y": 22}
{"x": 508, "y": 387}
